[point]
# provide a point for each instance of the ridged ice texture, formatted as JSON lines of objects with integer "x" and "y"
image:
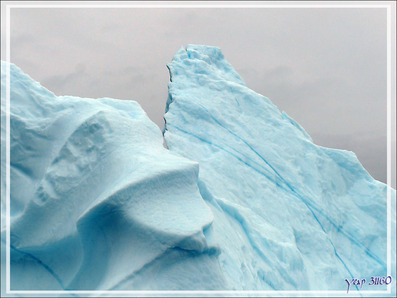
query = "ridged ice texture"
{"x": 97, "y": 202}
{"x": 288, "y": 214}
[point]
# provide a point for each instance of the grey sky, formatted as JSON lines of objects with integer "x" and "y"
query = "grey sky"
{"x": 326, "y": 67}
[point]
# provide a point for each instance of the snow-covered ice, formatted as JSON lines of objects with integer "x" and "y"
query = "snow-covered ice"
{"x": 241, "y": 200}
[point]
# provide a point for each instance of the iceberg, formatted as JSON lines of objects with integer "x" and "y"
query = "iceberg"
{"x": 240, "y": 200}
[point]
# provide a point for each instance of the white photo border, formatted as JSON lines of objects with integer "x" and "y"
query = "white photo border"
{"x": 8, "y": 5}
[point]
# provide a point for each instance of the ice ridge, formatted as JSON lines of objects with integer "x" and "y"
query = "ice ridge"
{"x": 318, "y": 213}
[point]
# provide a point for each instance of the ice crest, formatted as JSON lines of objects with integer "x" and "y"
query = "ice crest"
{"x": 288, "y": 214}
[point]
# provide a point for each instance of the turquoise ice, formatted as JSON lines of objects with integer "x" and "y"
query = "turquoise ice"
{"x": 97, "y": 202}
{"x": 241, "y": 198}
{"x": 288, "y": 214}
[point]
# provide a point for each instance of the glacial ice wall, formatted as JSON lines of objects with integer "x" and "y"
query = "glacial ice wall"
{"x": 288, "y": 214}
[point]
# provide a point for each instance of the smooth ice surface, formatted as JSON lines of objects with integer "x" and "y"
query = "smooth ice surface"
{"x": 288, "y": 215}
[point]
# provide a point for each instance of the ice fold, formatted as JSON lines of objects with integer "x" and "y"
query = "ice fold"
{"x": 96, "y": 200}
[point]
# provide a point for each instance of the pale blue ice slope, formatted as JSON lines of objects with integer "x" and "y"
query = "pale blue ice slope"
{"x": 287, "y": 214}
{"x": 242, "y": 200}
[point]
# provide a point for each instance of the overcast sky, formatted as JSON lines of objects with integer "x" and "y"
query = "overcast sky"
{"x": 326, "y": 67}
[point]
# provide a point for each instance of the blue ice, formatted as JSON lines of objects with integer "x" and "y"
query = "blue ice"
{"x": 241, "y": 199}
